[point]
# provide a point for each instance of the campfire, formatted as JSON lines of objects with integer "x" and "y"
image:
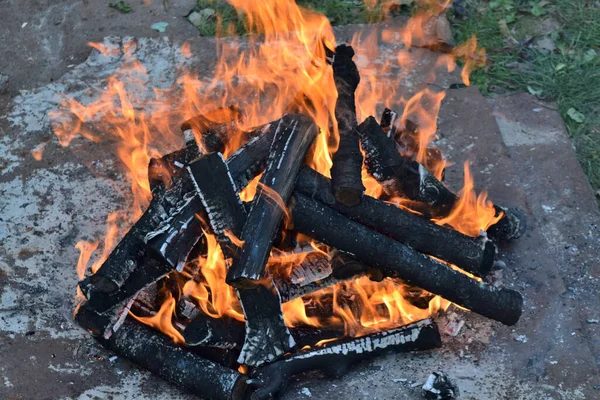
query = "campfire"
{"x": 292, "y": 230}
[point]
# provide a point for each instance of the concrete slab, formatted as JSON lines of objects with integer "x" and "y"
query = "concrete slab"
{"x": 46, "y": 206}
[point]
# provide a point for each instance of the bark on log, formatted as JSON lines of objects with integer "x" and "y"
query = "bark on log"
{"x": 347, "y": 161}
{"x": 266, "y": 336}
{"x": 228, "y": 333}
{"x": 162, "y": 170}
{"x": 294, "y": 135}
{"x": 475, "y": 255}
{"x": 398, "y": 260}
{"x": 414, "y": 181}
{"x": 335, "y": 358}
{"x": 165, "y": 234}
{"x": 215, "y": 129}
{"x": 157, "y": 353}
{"x": 218, "y": 193}
{"x": 132, "y": 265}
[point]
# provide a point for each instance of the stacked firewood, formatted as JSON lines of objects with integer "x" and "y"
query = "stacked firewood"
{"x": 196, "y": 190}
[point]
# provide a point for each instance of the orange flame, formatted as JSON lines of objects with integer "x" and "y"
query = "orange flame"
{"x": 162, "y": 320}
{"x": 281, "y": 70}
{"x": 472, "y": 213}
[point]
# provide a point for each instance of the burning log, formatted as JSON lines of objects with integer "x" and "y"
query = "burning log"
{"x": 158, "y": 354}
{"x": 213, "y": 130}
{"x": 218, "y": 193}
{"x": 398, "y": 260}
{"x": 228, "y": 333}
{"x": 166, "y": 233}
{"x": 475, "y": 255}
{"x": 414, "y": 181}
{"x": 407, "y": 140}
{"x": 286, "y": 155}
{"x": 161, "y": 170}
{"x": 119, "y": 277}
{"x": 266, "y": 336}
{"x": 347, "y": 161}
{"x": 335, "y": 358}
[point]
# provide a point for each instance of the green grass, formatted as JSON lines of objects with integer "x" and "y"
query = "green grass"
{"x": 569, "y": 75}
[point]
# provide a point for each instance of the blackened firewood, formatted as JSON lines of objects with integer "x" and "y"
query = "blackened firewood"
{"x": 214, "y": 129}
{"x": 407, "y": 140}
{"x": 414, "y": 181}
{"x": 157, "y": 353}
{"x": 220, "y": 199}
{"x": 293, "y": 137}
{"x": 161, "y": 170}
{"x": 132, "y": 265}
{"x": 398, "y": 260}
{"x": 167, "y": 232}
{"x": 475, "y": 255}
{"x": 335, "y": 358}
{"x": 176, "y": 236}
{"x": 224, "y": 332}
{"x": 388, "y": 122}
{"x": 347, "y": 161}
{"x": 266, "y": 336}
{"x": 227, "y": 333}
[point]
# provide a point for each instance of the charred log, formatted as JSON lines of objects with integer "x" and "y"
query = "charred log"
{"x": 157, "y": 353}
{"x": 167, "y": 232}
{"x": 266, "y": 336}
{"x": 475, "y": 255}
{"x": 218, "y": 194}
{"x": 335, "y": 358}
{"x": 213, "y": 130}
{"x": 162, "y": 170}
{"x": 294, "y": 135}
{"x": 398, "y": 260}
{"x": 347, "y": 161}
{"x": 414, "y": 181}
{"x": 228, "y": 333}
{"x": 120, "y": 276}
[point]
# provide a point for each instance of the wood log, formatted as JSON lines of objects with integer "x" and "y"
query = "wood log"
{"x": 475, "y": 255}
{"x": 132, "y": 265}
{"x": 218, "y": 193}
{"x": 294, "y": 135}
{"x": 266, "y": 336}
{"x": 347, "y": 161}
{"x": 228, "y": 333}
{"x": 215, "y": 129}
{"x": 166, "y": 233}
{"x": 335, "y": 358}
{"x": 414, "y": 181}
{"x": 161, "y": 170}
{"x": 395, "y": 259}
{"x": 158, "y": 354}
{"x": 407, "y": 140}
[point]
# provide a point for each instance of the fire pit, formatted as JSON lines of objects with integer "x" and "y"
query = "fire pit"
{"x": 308, "y": 242}
{"x": 344, "y": 270}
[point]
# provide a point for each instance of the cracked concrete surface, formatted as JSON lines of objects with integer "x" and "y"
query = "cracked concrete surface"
{"x": 519, "y": 152}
